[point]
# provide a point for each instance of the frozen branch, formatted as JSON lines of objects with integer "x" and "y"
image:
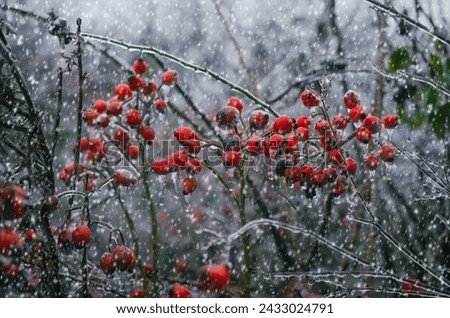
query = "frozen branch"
{"x": 394, "y": 13}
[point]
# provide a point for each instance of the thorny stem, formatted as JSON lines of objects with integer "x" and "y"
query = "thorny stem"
{"x": 79, "y": 54}
{"x": 58, "y": 110}
{"x": 246, "y": 236}
{"x": 184, "y": 63}
{"x": 153, "y": 220}
{"x": 394, "y": 13}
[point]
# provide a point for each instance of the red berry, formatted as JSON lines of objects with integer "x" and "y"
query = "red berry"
{"x": 30, "y": 235}
{"x": 189, "y": 185}
{"x": 169, "y": 77}
{"x": 236, "y": 103}
{"x": 124, "y": 258}
{"x": 371, "y": 163}
{"x": 179, "y": 291}
{"x": 114, "y": 107}
{"x": 150, "y": 89}
{"x": 322, "y": 126}
{"x": 64, "y": 176}
{"x": 373, "y": 123}
{"x": 231, "y": 159}
{"x": 90, "y": 186}
{"x": 215, "y": 278}
{"x": 258, "y": 119}
{"x": 329, "y": 141}
{"x": 179, "y": 160}
{"x": 339, "y": 122}
{"x": 411, "y": 286}
{"x": 351, "y": 99}
{"x": 336, "y": 157}
{"x": 363, "y": 135}
{"x": 133, "y": 152}
{"x": 330, "y": 174}
{"x": 12, "y": 202}
{"x": 123, "y": 92}
{"x": 89, "y": 117}
{"x": 302, "y": 133}
{"x": 291, "y": 144}
{"x": 283, "y": 125}
{"x": 160, "y": 167}
{"x": 107, "y": 263}
{"x": 351, "y": 166}
{"x": 65, "y": 237}
{"x": 255, "y": 145}
{"x": 12, "y": 272}
{"x": 147, "y": 132}
{"x": 310, "y": 98}
{"x": 84, "y": 144}
{"x": 357, "y": 114}
{"x": 339, "y": 186}
{"x": 319, "y": 178}
{"x": 227, "y": 117}
{"x": 124, "y": 178}
{"x": 160, "y": 105}
{"x": 198, "y": 215}
{"x": 181, "y": 266}
{"x": 387, "y": 153}
{"x": 194, "y": 166}
{"x": 10, "y": 240}
{"x": 139, "y": 66}
{"x": 100, "y": 106}
{"x": 137, "y": 293}
{"x": 390, "y": 121}
{"x": 135, "y": 82}
{"x": 184, "y": 134}
{"x": 193, "y": 146}
{"x": 122, "y": 137}
{"x": 81, "y": 236}
{"x": 303, "y": 121}
{"x": 134, "y": 117}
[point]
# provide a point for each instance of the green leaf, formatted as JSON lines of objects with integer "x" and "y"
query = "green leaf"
{"x": 399, "y": 59}
{"x": 431, "y": 96}
{"x": 439, "y": 120}
{"x": 417, "y": 121}
{"x": 437, "y": 65}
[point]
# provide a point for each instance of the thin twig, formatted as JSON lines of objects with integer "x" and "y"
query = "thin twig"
{"x": 184, "y": 63}
{"x": 58, "y": 110}
{"x": 394, "y": 13}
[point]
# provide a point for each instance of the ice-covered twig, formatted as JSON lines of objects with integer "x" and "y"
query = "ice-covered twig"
{"x": 394, "y": 13}
{"x": 183, "y": 63}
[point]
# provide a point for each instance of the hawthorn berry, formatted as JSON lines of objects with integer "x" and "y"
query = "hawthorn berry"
{"x": 291, "y": 145}
{"x": 236, "y": 103}
{"x": 160, "y": 105}
{"x": 351, "y": 166}
{"x": 137, "y": 293}
{"x": 227, "y": 117}
{"x": 357, "y": 114}
{"x": 322, "y": 126}
{"x": 160, "y": 167}
{"x": 133, "y": 152}
{"x": 339, "y": 187}
{"x": 330, "y": 174}
{"x": 114, "y": 107}
{"x": 351, "y": 99}
{"x": 124, "y": 258}
{"x": 12, "y": 202}
{"x": 139, "y": 66}
{"x": 84, "y": 144}
{"x": 387, "y": 153}
{"x": 123, "y": 92}
{"x": 215, "y": 278}
{"x": 107, "y": 264}
{"x": 302, "y": 133}
{"x": 12, "y": 272}
{"x": 65, "y": 238}
{"x": 134, "y": 117}
{"x": 149, "y": 269}
{"x": 179, "y": 291}
{"x": 169, "y": 78}
{"x": 373, "y": 123}
{"x": 335, "y": 156}
{"x": 184, "y": 134}
{"x": 231, "y": 159}
{"x": 100, "y": 106}
{"x": 339, "y": 122}
{"x": 150, "y": 89}
{"x": 81, "y": 236}
{"x": 193, "y": 166}
{"x": 390, "y": 121}
{"x": 189, "y": 185}
{"x": 178, "y": 160}
{"x": 10, "y": 241}
{"x": 124, "y": 178}
{"x": 258, "y": 119}
{"x": 181, "y": 266}
{"x": 371, "y": 163}
{"x": 303, "y": 121}
{"x": 135, "y": 82}
{"x": 30, "y": 235}
{"x": 411, "y": 284}
{"x": 89, "y": 117}
{"x": 319, "y": 178}
{"x": 283, "y": 125}
{"x": 255, "y": 145}
{"x": 193, "y": 146}
{"x": 310, "y": 98}
{"x": 148, "y": 134}
{"x": 121, "y": 137}
{"x": 363, "y": 135}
